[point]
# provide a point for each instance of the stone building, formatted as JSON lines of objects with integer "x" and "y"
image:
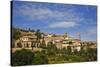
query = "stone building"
{"x": 28, "y": 40}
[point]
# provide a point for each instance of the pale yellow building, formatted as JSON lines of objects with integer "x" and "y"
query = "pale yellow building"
{"x": 28, "y": 40}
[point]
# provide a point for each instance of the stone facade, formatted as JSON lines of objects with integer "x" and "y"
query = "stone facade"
{"x": 29, "y": 41}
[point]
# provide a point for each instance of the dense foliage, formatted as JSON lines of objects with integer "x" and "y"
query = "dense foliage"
{"x": 16, "y": 34}
{"x": 27, "y": 57}
{"x": 22, "y": 57}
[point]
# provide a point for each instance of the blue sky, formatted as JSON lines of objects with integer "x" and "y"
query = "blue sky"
{"x": 57, "y": 18}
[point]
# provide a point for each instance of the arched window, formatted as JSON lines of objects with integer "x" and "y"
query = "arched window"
{"x": 27, "y": 45}
{"x": 33, "y": 44}
{"x": 19, "y": 45}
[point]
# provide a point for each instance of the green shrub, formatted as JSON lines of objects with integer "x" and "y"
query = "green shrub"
{"x": 22, "y": 57}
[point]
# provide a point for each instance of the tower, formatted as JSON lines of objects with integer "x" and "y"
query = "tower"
{"x": 78, "y": 36}
{"x": 65, "y": 35}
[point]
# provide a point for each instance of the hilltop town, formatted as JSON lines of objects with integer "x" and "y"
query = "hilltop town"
{"x": 36, "y": 41}
{"x": 36, "y": 47}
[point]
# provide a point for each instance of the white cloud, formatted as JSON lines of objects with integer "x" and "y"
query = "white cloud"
{"x": 63, "y": 25}
{"x": 33, "y": 13}
{"x": 39, "y": 13}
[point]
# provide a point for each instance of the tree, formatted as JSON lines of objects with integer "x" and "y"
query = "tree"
{"x": 69, "y": 50}
{"x": 51, "y": 48}
{"x": 16, "y": 34}
{"x": 40, "y": 58}
{"x": 31, "y": 30}
{"x": 43, "y": 44}
{"x": 83, "y": 50}
{"x": 22, "y": 57}
{"x": 91, "y": 53}
{"x": 38, "y": 34}
{"x": 64, "y": 50}
{"x": 33, "y": 45}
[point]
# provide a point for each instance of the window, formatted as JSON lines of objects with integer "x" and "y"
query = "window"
{"x": 19, "y": 45}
